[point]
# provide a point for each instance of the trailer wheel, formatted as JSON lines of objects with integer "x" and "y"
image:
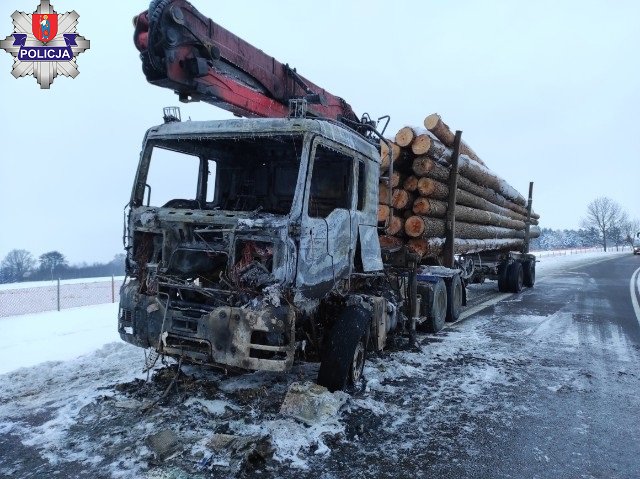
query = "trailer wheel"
{"x": 433, "y": 306}
{"x": 503, "y": 285}
{"x": 438, "y": 310}
{"x": 345, "y": 350}
{"x": 529, "y": 273}
{"x": 454, "y": 298}
{"x": 515, "y": 277}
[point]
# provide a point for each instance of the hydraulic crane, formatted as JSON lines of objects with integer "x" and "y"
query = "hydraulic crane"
{"x": 185, "y": 51}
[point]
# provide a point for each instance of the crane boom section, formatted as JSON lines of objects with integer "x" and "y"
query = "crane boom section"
{"x": 185, "y": 51}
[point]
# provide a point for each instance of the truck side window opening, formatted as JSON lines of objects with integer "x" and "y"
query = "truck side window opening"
{"x": 211, "y": 181}
{"x": 362, "y": 179}
{"x": 331, "y": 181}
{"x": 260, "y": 174}
{"x": 172, "y": 176}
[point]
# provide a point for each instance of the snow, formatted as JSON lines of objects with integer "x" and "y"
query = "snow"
{"x": 31, "y": 339}
{"x": 40, "y": 284}
{"x": 550, "y": 264}
{"x": 25, "y": 298}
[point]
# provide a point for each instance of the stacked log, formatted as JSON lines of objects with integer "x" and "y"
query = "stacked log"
{"x": 490, "y": 213}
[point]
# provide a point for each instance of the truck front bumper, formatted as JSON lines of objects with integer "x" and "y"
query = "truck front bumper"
{"x": 260, "y": 338}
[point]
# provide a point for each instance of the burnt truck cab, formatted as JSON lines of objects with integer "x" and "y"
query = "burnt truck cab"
{"x": 236, "y": 230}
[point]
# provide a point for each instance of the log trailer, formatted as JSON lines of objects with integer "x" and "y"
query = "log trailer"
{"x": 270, "y": 250}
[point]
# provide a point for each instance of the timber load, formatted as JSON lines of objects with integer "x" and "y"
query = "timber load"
{"x": 490, "y": 214}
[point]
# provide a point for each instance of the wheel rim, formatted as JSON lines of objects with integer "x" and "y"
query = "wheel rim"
{"x": 357, "y": 365}
{"x": 533, "y": 273}
{"x": 457, "y": 296}
{"x": 441, "y": 300}
{"x": 520, "y": 278}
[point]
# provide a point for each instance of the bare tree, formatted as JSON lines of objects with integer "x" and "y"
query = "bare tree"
{"x": 605, "y": 216}
{"x": 52, "y": 262}
{"x": 630, "y": 230}
{"x": 17, "y": 264}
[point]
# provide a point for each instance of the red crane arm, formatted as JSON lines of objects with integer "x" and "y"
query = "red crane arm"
{"x": 185, "y": 51}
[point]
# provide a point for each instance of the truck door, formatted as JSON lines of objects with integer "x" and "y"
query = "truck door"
{"x": 326, "y": 242}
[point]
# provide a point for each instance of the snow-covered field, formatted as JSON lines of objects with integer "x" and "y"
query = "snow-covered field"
{"x": 39, "y": 296}
{"x": 77, "y": 394}
{"x": 40, "y": 284}
{"x": 32, "y": 339}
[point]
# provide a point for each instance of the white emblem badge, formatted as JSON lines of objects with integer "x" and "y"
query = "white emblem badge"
{"x": 45, "y": 44}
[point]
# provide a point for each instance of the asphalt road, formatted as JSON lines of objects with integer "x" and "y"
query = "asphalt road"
{"x": 544, "y": 384}
{"x": 567, "y": 404}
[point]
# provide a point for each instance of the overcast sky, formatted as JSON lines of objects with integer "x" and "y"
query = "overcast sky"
{"x": 544, "y": 91}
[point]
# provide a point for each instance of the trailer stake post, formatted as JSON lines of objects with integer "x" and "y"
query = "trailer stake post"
{"x": 525, "y": 246}
{"x": 450, "y": 223}
{"x": 413, "y": 305}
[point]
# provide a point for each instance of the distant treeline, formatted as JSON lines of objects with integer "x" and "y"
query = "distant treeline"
{"x": 582, "y": 238}
{"x": 20, "y": 265}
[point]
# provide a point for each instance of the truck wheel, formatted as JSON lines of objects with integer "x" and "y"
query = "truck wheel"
{"x": 454, "y": 298}
{"x": 344, "y": 352}
{"x": 503, "y": 286}
{"x": 515, "y": 277}
{"x": 529, "y": 273}
{"x": 433, "y": 307}
{"x": 438, "y": 309}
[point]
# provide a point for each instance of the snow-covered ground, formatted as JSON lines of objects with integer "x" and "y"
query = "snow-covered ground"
{"x": 40, "y": 284}
{"x": 549, "y": 264}
{"x": 36, "y": 297}
{"x": 32, "y": 339}
{"x": 89, "y": 395}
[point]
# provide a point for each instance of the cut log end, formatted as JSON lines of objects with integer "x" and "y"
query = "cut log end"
{"x": 421, "y": 145}
{"x": 384, "y": 151}
{"x": 414, "y": 226}
{"x": 410, "y": 184}
{"x": 431, "y": 121}
{"x": 390, "y": 243}
{"x": 395, "y": 226}
{"x": 383, "y": 213}
{"x": 418, "y": 246}
{"x": 396, "y": 179}
{"x": 401, "y": 199}
{"x": 422, "y": 166}
{"x": 405, "y": 136}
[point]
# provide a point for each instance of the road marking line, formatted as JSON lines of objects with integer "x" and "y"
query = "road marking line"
{"x": 632, "y": 288}
{"x": 468, "y": 312}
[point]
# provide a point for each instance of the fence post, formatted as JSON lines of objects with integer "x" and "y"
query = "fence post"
{"x": 113, "y": 289}
{"x": 58, "y": 294}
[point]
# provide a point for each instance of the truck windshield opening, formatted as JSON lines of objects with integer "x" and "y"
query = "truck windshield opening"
{"x": 232, "y": 174}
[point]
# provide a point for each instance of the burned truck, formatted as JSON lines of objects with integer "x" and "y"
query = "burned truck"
{"x": 254, "y": 242}
{"x": 270, "y": 250}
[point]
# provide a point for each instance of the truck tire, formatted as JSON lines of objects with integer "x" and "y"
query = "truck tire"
{"x": 529, "y": 273}
{"x": 433, "y": 306}
{"x": 503, "y": 286}
{"x": 344, "y": 352}
{"x": 438, "y": 308}
{"x": 515, "y": 277}
{"x": 454, "y": 298}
